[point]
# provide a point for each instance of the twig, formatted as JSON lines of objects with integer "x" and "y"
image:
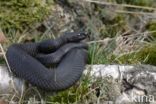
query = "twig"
{"x": 12, "y": 98}
{"x": 121, "y": 5}
{"x": 5, "y": 58}
{"x": 126, "y": 5}
{"x": 22, "y": 93}
{"x": 131, "y": 12}
{"x": 96, "y": 41}
{"x": 100, "y": 41}
{"x": 1, "y": 54}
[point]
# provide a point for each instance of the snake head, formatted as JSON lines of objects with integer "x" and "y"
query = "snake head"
{"x": 76, "y": 36}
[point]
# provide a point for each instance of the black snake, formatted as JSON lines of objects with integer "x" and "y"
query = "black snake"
{"x": 51, "y": 65}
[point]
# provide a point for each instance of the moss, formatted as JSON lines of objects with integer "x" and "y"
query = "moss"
{"x": 2, "y": 61}
{"x": 113, "y": 26}
{"x": 110, "y": 22}
{"x": 151, "y": 26}
{"x": 146, "y": 55}
{"x": 88, "y": 91}
{"x": 137, "y": 2}
{"x": 143, "y": 3}
{"x": 21, "y": 14}
{"x": 72, "y": 95}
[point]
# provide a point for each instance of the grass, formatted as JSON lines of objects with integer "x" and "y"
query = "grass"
{"x": 99, "y": 55}
{"x": 30, "y": 12}
{"x": 86, "y": 91}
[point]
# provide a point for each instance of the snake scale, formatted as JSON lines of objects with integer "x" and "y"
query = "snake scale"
{"x": 52, "y": 65}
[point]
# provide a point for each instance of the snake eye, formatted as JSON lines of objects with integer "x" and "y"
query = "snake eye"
{"x": 81, "y": 34}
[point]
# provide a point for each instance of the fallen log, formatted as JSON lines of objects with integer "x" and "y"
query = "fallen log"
{"x": 138, "y": 81}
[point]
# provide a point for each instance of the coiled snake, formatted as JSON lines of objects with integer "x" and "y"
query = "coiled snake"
{"x": 33, "y": 61}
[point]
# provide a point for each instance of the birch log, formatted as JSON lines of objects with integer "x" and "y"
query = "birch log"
{"x": 141, "y": 80}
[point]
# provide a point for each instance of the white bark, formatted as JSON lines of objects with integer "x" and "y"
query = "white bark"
{"x": 142, "y": 77}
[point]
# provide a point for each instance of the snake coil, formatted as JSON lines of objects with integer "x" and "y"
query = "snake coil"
{"x": 32, "y": 61}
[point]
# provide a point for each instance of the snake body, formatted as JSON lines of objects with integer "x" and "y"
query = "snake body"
{"x": 33, "y": 61}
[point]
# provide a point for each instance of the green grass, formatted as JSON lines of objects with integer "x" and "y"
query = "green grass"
{"x": 98, "y": 55}
{"x": 85, "y": 92}
{"x": 22, "y": 14}
{"x": 146, "y": 55}
{"x": 137, "y": 2}
{"x": 73, "y": 95}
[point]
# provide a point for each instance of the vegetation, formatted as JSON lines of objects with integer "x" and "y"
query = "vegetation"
{"x": 121, "y": 32}
{"x": 22, "y": 14}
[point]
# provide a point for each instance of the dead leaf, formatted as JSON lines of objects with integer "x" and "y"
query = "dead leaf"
{"x": 3, "y": 101}
{"x": 29, "y": 39}
{"x": 2, "y": 37}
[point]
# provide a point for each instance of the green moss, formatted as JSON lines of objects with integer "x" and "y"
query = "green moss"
{"x": 151, "y": 26}
{"x": 86, "y": 91}
{"x": 146, "y": 55}
{"x": 111, "y": 27}
{"x": 21, "y": 14}
{"x": 72, "y": 95}
{"x": 137, "y": 2}
{"x": 2, "y": 61}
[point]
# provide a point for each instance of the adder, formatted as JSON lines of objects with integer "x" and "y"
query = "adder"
{"x": 52, "y": 65}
